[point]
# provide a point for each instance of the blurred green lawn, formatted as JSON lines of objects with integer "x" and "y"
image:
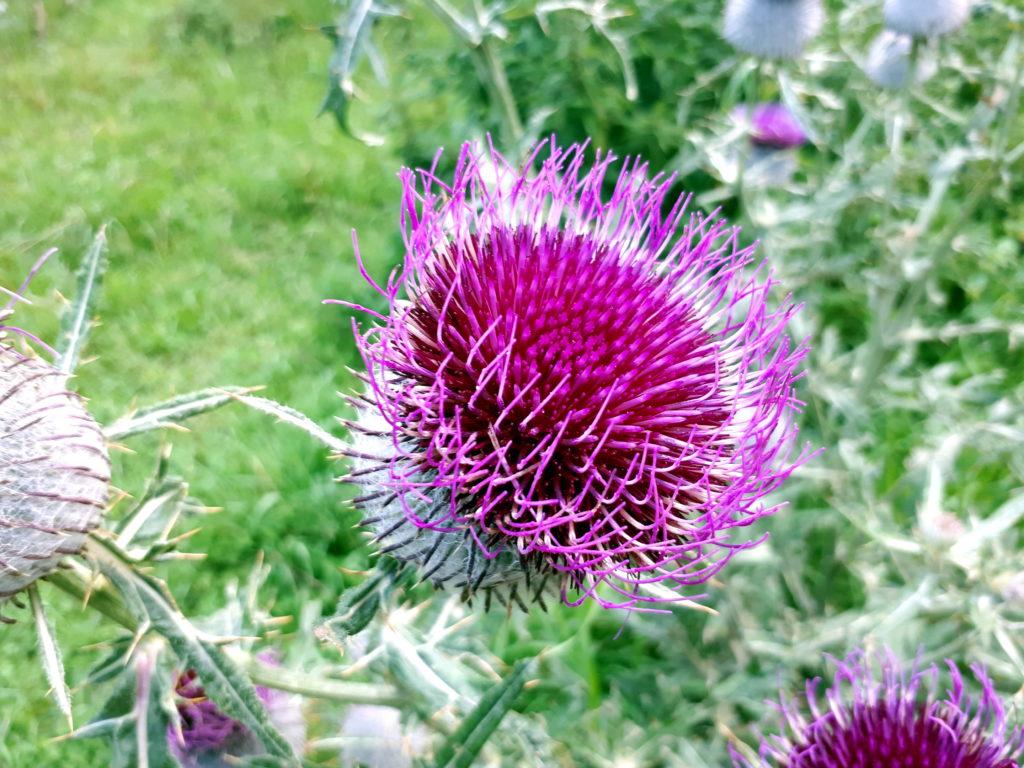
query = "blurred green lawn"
{"x": 190, "y": 125}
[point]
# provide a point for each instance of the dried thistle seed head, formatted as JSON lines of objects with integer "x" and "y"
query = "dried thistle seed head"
{"x": 589, "y": 387}
{"x": 878, "y": 713}
{"x": 772, "y": 29}
{"x": 54, "y": 470}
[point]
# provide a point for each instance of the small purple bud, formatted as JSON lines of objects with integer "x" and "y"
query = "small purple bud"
{"x": 773, "y": 126}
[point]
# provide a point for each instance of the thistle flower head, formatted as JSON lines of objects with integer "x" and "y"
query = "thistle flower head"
{"x": 926, "y": 18}
{"x": 577, "y": 386}
{"x": 890, "y": 64}
{"x": 208, "y": 738}
{"x": 773, "y": 126}
{"x": 54, "y": 469}
{"x": 772, "y": 29}
{"x": 891, "y": 717}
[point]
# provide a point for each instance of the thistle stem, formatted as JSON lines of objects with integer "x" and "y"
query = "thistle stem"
{"x": 315, "y": 686}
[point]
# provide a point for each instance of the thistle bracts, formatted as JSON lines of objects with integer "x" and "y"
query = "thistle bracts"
{"x": 54, "y": 470}
{"x": 593, "y": 389}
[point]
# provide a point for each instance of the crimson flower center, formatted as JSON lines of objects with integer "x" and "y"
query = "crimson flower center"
{"x": 896, "y": 735}
{"x": 574, "y": 386}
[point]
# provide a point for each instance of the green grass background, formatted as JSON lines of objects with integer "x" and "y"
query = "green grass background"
{"x": 191, "y": 126}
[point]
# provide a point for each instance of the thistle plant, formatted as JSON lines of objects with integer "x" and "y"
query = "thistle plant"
{"x": 895, "y": 716}
{"x": 584, "y": 389}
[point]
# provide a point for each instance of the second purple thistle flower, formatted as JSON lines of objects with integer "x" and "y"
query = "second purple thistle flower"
{"x": 579, "y": 382}
{"x": 879, "y": 713}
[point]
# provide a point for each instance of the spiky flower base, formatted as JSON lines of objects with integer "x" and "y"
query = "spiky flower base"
{"x": 890, "y": 63}
{"x": 448, "y": 559}
{"x": 54, "y": 470}
{"x": 890, "y": 718}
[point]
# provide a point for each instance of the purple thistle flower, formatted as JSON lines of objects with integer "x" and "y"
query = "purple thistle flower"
{"x": 591, "y": 389}
{"x": 54, "y": 468}
{"x": 892, "y": 720}
{"x": 773, "y": 126}
{"x": 208, "y": 737}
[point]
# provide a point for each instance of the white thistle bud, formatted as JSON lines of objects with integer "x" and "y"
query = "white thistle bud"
{"x": 889, "y": 61}
{"x": 54, "y": 470}
{"x": 926, "y": 18}
{"x": 772, "y": 29}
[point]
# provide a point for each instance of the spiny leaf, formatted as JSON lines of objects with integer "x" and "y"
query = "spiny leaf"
{"x": 135, "y": 719}
{"x": 173, "y": 411}
{"x": 152, "y": 518}
{"x": 77, "y": 318}
{"x": 295, "y": 418}
{"x": 221, "y": 679}
{"x": 359, "y": 604}
{"x": 53, "y": 664}
{"x": 350, "y": 38}
{"x": 462, "y": 747}
{"x": 151, "y": 716}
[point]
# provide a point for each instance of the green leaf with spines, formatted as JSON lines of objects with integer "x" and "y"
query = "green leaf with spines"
{"x": 76, "y": 320}
{"x": 171, "y": 412}
{"x": 222, "y": 680}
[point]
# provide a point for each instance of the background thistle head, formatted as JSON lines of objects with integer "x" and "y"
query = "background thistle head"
{"x": 772, "y": 29}
{"x": 881, "y": 712}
